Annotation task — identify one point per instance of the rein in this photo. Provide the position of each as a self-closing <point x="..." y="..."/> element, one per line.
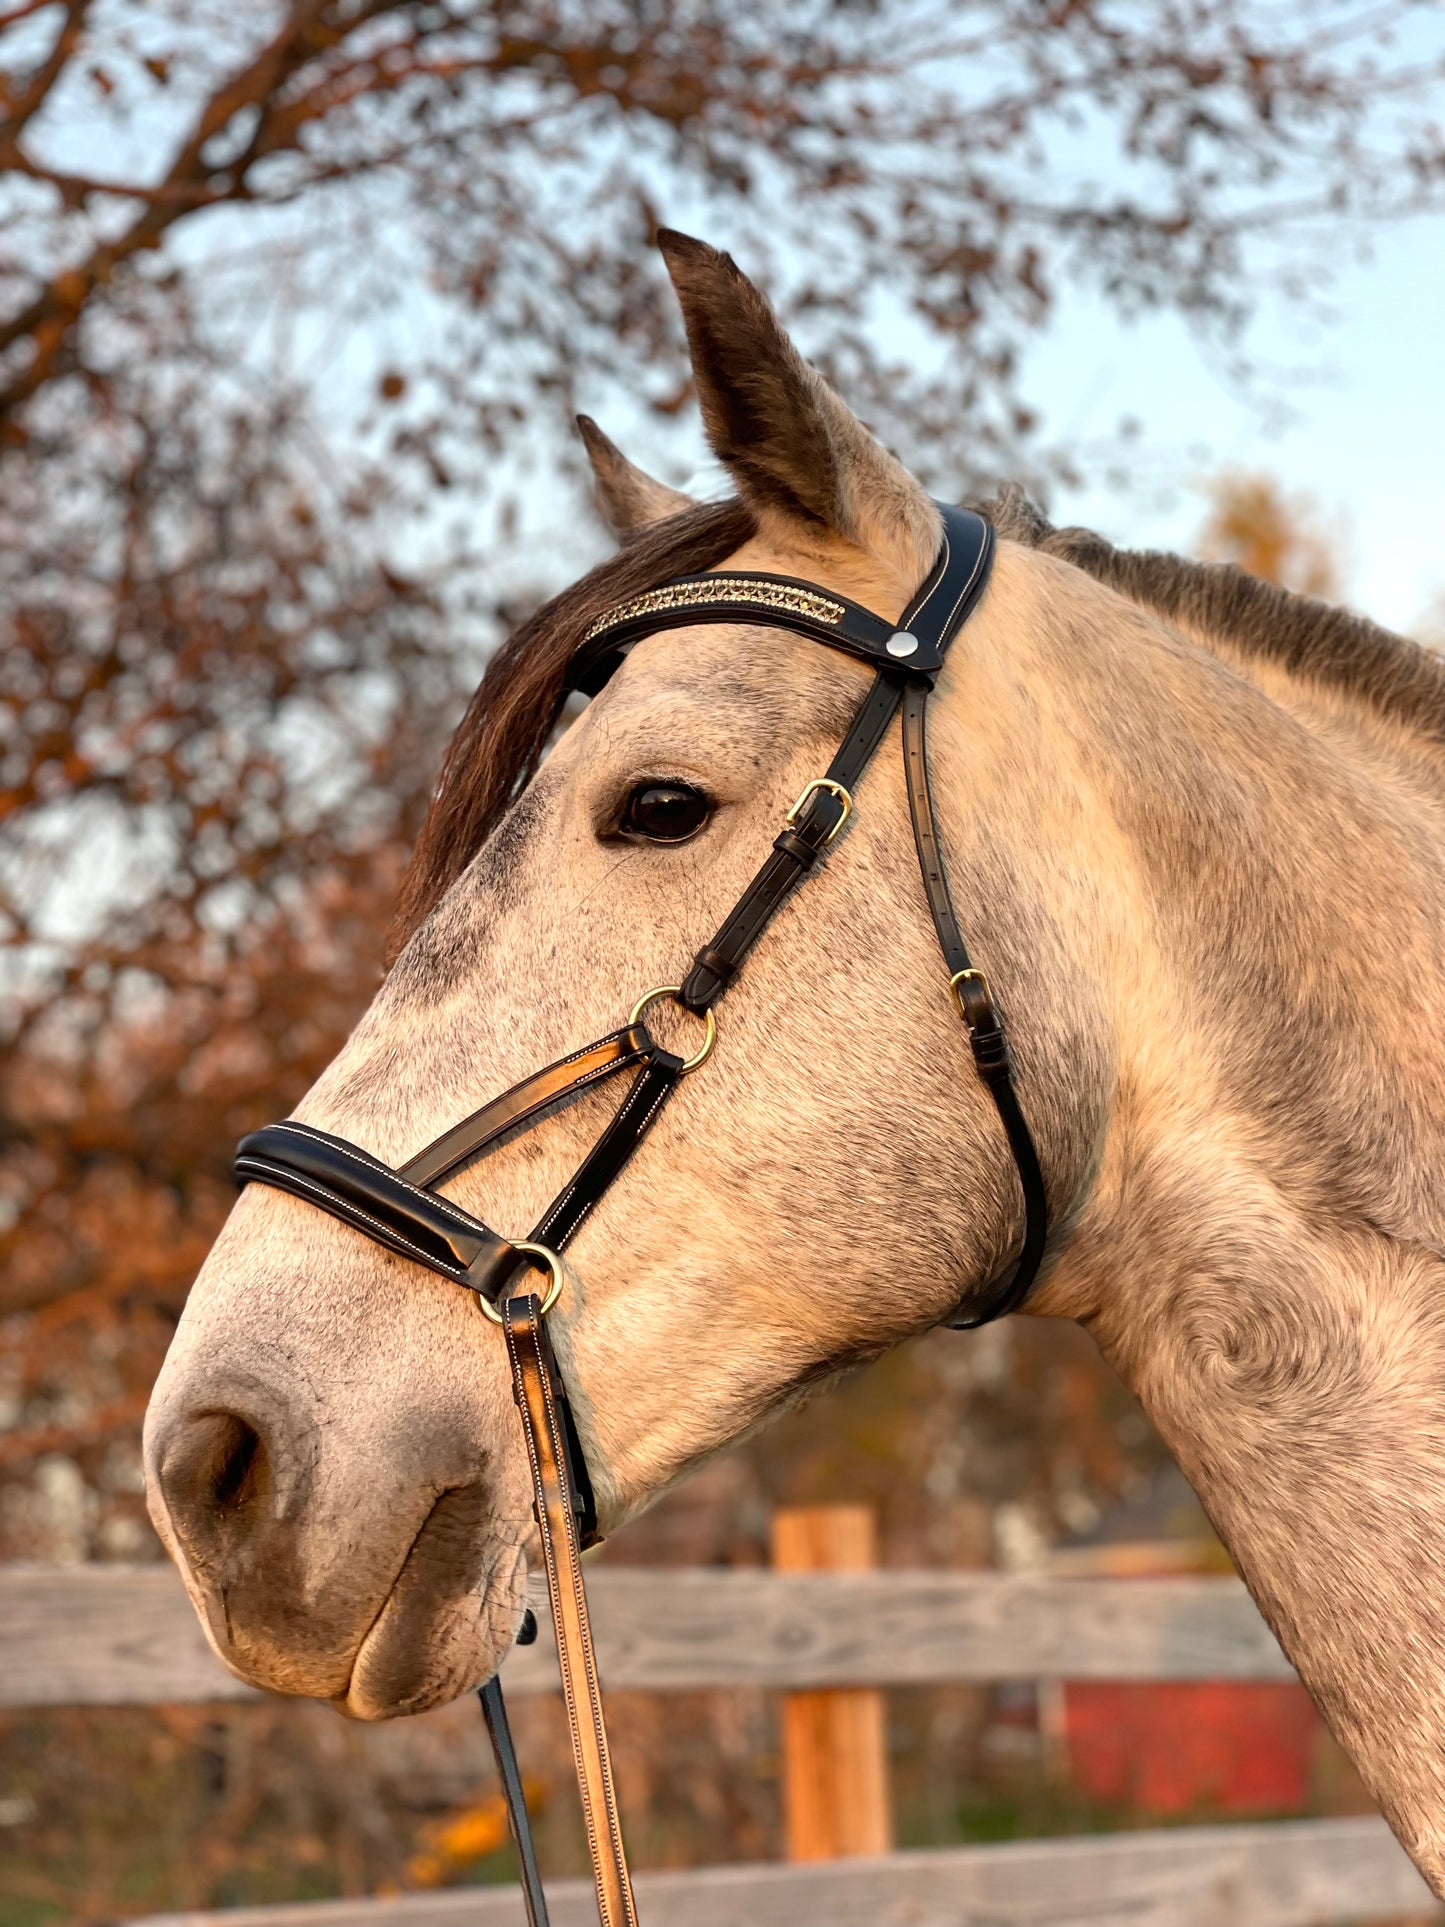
<point x="403" y="1209"/>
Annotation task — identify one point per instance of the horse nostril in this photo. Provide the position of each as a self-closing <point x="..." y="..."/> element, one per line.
<point x="212" y="1471"/>
<point x="236" y="1459"/>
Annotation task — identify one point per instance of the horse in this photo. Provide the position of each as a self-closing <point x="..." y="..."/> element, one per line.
<point x="1195" y="826"/>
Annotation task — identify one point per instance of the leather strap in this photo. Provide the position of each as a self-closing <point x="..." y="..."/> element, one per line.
<point x="794" y="852"/>
<point x="445" y="1155"/>
<point x="499" y="1731"/>
<point x="534" y="1380"/>
<point x="930" y="623"/>
<point x="367" y="1194"/>
<point x="776" y="601"/>
<point x="974" y="998"/>
<point x="562" y="1449"/>
<point x="947" y="598"/>
<point x="397" y="1210"/>
<point x="567" y="1212"/>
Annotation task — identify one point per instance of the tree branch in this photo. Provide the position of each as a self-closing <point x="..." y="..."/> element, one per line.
<point x="45" y="76"/>
<point x="51" y="317"/>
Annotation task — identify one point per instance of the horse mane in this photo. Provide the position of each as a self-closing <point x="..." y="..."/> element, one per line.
<point x="1313" y="640"/>
<point x="510" y="719"/>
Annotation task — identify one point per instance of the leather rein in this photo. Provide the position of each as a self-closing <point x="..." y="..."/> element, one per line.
<point x="405" y="1210"/>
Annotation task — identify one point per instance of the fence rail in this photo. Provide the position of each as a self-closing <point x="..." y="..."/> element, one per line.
<point x="1306" y="1873"/>
<point x="116" y="1635"/>
<point x="126" y="1635"/>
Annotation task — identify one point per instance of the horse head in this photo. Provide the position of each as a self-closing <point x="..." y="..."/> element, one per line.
<point x="334" y="1454"/>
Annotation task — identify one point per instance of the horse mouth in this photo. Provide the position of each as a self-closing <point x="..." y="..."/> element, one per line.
<point x="450" y="1617"/>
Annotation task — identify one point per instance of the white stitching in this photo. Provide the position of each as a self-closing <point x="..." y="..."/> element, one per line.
<point x="558" y="1208"/>
<point x="461" y="1219"/>
<point x="391" y="1237"/>
<point x="973" y="576"/>
<point x="621" y="1062"/>
<point x="914" y="614"/>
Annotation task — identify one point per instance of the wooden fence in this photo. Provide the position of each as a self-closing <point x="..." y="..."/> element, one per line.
<point x="107" y="1635"/>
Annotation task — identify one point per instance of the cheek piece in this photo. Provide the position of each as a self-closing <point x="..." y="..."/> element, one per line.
<point x="405" y="1210"/>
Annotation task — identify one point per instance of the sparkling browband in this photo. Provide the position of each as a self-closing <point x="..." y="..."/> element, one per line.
<point x="721" y="588"/>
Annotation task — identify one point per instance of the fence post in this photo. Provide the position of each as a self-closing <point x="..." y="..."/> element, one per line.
<point x="835" y="1749"/>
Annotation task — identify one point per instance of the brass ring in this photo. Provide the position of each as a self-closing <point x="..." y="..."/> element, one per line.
<point x="553" y="1264"/>
<point x="645" y="1004"/>
<point x="833" y="789"/>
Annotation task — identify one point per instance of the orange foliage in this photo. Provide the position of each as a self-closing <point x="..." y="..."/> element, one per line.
<point x="467" y="1834"/>
<point x="1253" y="523"/>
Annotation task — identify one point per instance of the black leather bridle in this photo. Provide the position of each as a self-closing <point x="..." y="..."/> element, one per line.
<point x="404" y="1210"/>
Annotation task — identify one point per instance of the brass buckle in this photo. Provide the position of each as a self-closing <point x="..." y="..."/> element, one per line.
<point x="833" y="789"/>
<point x="969" y="976"/>
<point x="645" y="1004"/>
<point x="553" y="1264"/>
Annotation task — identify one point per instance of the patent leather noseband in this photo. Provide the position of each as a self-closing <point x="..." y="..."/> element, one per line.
<point x="403" y="1209"/>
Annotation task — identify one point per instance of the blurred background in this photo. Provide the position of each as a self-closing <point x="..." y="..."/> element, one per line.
<point x="297" y="302"/>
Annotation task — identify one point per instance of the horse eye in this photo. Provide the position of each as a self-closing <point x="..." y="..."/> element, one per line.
<point x="665" y="812"/>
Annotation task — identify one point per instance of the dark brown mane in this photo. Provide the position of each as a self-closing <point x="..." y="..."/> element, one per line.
<point x="508" y="721"/>
<point x="1311" y="639"/>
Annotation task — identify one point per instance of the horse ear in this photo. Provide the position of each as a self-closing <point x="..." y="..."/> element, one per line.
<point x="629" y="498"/>
<point x="790" y="444"/>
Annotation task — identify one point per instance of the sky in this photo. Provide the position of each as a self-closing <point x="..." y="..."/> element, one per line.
<point x="1364" y="439"/>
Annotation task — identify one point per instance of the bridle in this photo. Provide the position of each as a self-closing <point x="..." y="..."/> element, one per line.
<point x="404" y="1210"/>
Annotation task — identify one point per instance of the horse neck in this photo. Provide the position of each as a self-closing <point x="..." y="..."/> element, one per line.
<point x="1262" y="916"/>
<point x="1259" y="1250"/>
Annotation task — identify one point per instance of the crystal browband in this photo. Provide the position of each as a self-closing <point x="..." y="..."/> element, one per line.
<point x="781" y="601"/>
<point x="721" y="588"/>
